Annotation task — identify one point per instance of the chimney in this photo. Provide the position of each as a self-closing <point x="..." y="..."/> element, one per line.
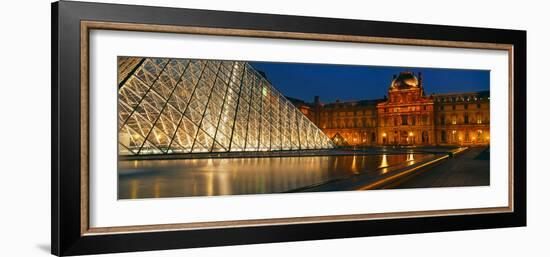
<point x="316" y="110"/>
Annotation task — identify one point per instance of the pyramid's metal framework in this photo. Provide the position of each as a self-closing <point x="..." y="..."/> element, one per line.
<point x="171" y="106"/>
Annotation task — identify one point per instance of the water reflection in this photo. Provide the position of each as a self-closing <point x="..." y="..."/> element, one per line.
<point x="233" y="176"/>
<point x="384" y="162"/>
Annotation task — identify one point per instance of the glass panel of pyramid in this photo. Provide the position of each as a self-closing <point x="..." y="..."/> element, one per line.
<point x="178" y="106"/>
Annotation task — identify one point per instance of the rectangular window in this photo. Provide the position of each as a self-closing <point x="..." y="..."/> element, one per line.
<point x="404" y="119"/>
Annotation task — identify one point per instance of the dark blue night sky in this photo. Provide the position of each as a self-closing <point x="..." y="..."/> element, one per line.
<point x="346" y="82"/>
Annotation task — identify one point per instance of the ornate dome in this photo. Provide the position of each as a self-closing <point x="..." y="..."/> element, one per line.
<point x="405" y="80"/>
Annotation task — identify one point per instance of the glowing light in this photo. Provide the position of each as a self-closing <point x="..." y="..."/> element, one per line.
<point x="384" y="134"/>
<point x="410" y="134"/>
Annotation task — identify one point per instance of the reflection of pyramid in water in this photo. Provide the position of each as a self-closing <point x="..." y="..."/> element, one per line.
<point x="188" y="106"/>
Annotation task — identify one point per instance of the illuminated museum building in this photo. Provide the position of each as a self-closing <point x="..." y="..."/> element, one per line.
<point x="406" y="117"/>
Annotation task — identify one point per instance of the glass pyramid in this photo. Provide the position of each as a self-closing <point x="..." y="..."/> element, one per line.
<point x="176" y="106"/>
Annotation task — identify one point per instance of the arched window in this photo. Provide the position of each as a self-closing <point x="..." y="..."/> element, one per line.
<point x="479" y="135"/>
<point x="425" y="138"/>
<point x="350" y="123"/>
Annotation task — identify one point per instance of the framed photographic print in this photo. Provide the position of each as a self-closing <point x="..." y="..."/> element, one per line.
<point x="177" y="128"/>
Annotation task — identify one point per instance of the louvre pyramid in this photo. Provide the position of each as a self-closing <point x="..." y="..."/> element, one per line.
<point x="176" y="106"/>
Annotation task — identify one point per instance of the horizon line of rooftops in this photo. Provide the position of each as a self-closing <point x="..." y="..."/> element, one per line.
<point x="438" y="98"/>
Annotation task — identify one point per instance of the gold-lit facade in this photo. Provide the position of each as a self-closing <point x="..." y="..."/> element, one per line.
<point x="407" y="116"/>
<point x="178" y="106"/>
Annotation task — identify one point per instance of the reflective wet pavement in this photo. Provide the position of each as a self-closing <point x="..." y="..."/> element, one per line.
<point x="236" y="176"/>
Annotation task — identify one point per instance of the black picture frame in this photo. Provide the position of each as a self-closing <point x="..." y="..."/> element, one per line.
<point x="66" y="233"/>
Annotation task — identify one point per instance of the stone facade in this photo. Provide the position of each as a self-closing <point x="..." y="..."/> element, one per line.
<point x="406" y="117"/>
